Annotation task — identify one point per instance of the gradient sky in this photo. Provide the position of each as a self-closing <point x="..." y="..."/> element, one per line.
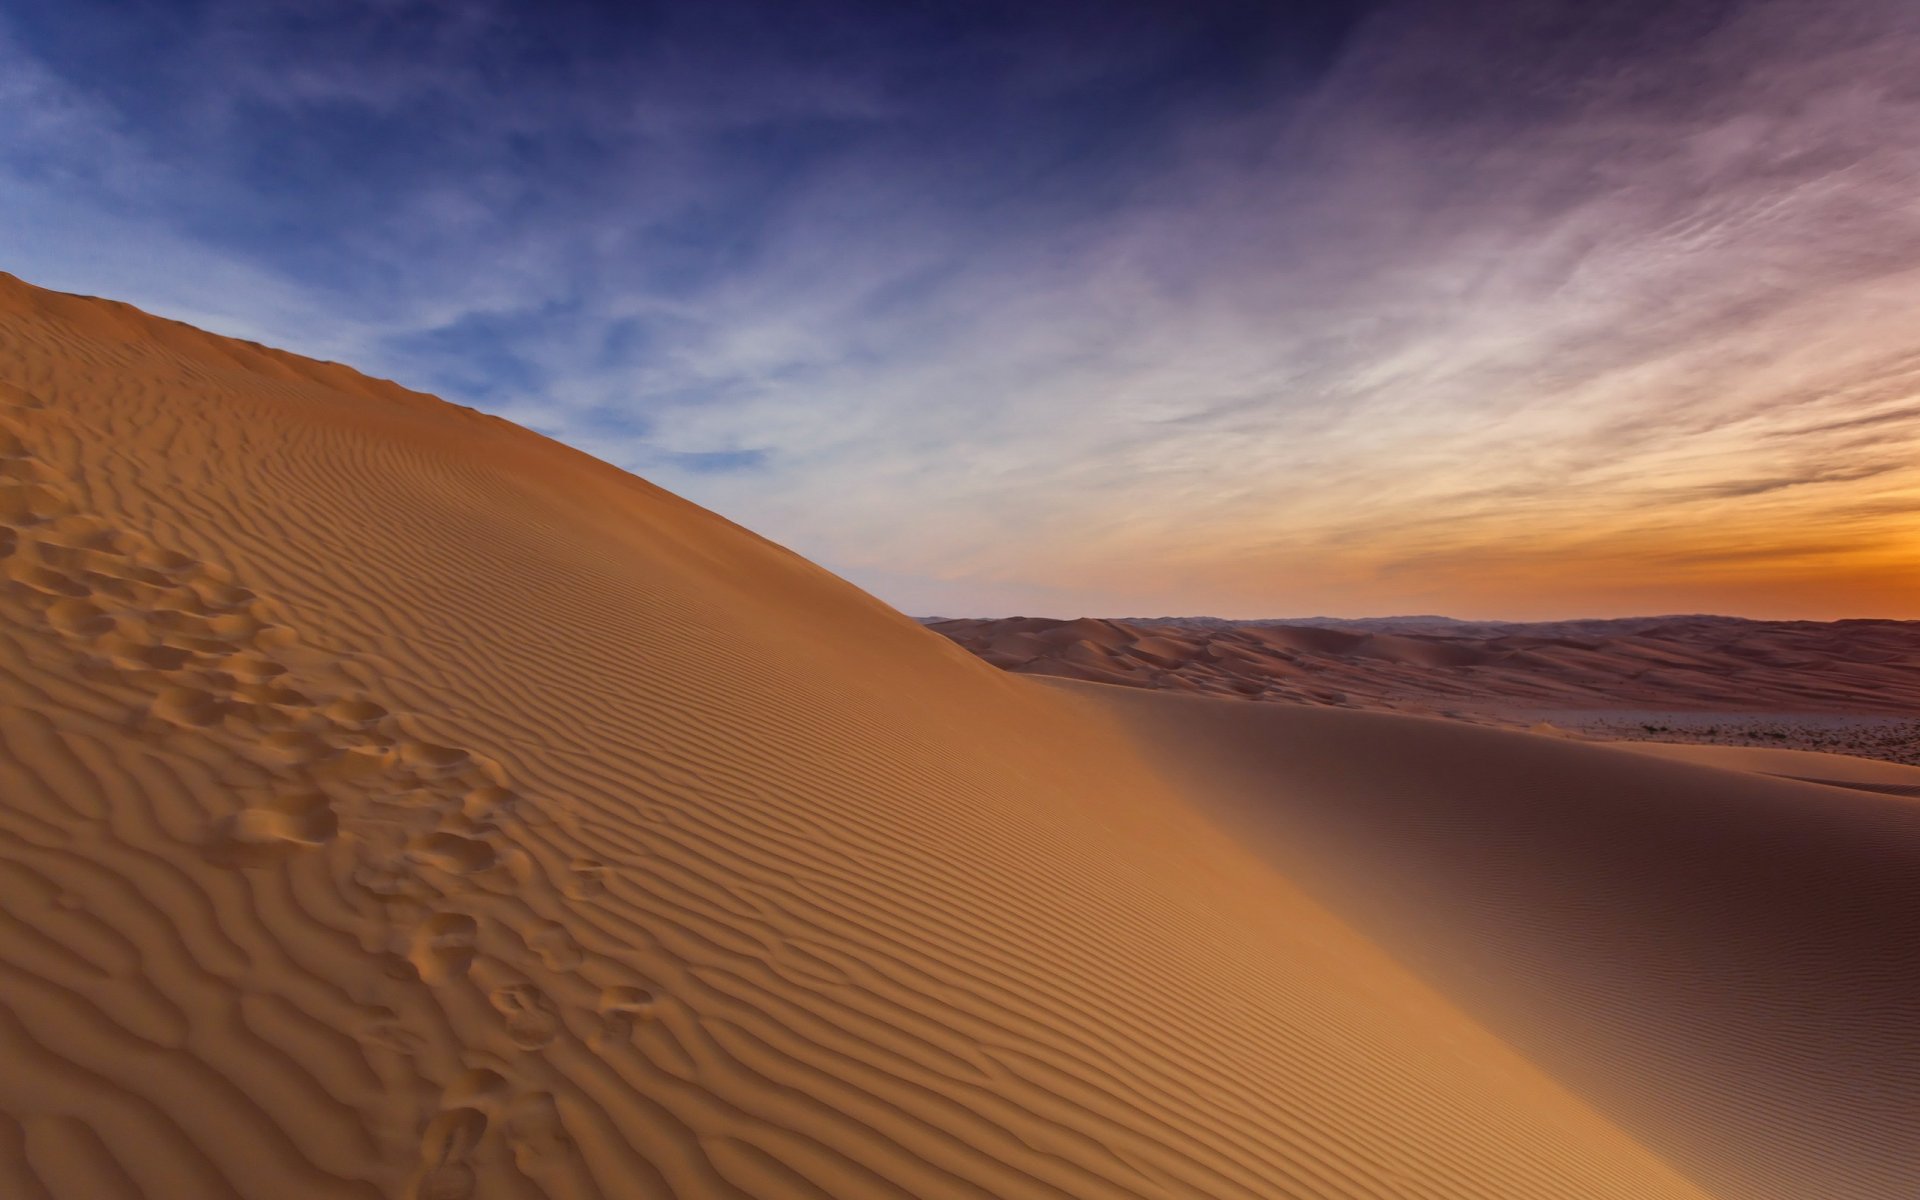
<point x="1525" y="309"/>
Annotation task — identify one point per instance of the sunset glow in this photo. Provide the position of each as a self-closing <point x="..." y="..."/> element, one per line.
<point x="1245" y="310"/>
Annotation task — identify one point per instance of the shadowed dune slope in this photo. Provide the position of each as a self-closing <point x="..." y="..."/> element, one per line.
<point x="396" y="803"/>
<point x="1838" y="770"/>
<point x="1726" y="963"/>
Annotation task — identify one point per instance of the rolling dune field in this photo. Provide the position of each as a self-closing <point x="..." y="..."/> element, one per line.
<point x="1846" y="687"/>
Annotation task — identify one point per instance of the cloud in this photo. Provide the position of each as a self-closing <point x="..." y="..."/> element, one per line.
<point x="718" y="462"/>
<point x="1736" y="488"/>
<point x="1104" y="306"/>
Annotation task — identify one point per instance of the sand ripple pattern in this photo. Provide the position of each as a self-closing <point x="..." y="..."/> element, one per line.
<point x="337" y="795"/>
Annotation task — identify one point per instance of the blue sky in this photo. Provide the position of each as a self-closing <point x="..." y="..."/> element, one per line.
<point x="1520" y="309"/>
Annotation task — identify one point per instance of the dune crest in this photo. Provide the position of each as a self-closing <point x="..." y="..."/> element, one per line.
<point x="397" y="803"/>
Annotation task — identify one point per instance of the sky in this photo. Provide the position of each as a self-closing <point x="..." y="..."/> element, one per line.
<point x="1522" y="309"/>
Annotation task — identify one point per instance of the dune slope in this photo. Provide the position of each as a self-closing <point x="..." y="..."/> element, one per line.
<point x="396" y="803"/>
<point x="1726" y="962"/>
<point x="1837" y="770"/>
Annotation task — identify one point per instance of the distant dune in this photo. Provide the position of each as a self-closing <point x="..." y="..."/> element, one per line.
<point x="397" y="803"/>
<point x="1846" y="686"/>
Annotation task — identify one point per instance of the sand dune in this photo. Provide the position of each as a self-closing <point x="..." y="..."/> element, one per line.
<point x="397" y="803"/>
<point x="1726" y="963"/>
<point x="1851" y="686"/>
<point x="1699" y="663"/>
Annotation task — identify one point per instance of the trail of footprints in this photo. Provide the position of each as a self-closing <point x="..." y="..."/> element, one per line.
<point x="422" y="821"/>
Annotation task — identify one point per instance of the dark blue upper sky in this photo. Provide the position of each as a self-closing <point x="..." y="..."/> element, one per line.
<point x="986" y="303"/>
<point x="321" y="138"/>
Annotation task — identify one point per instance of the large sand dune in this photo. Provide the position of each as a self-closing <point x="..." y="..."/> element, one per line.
<point x="397" y="803"/>
<point x="1723" y="952"/>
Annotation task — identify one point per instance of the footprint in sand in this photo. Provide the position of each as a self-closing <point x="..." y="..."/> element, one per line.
<point x="397" y="967"/>
<point x="443" y="947"/>
<point x="188" y="706"/>
<point x="427" y="759"/>
<point x="446" y="1154"/>
<point x="556" y="947"/>
<point x="360" y="762"/>
<point x="291" y="748"/>
<point x="390" y="879"/>
<point x="275" y="637"/>
<point x="355" y="713"/>
<point x="517" y="870"/>
<point x="543" y="1150"/>
<point x="493" y="804"/>
<point x="272" y="831"/>
<point x="620" y="1009"/>
<point x="496" y="805"/>
<point x="258" y="669"/>
<point x="220" y="596"/>
<point x="535" y="1129"/>
<point x="451" y="853"/>
<point x="531" y="1022"/>
<point x="484" y="770"/>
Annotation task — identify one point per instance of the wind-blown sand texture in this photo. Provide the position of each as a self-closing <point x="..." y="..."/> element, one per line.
<point x="1847" y="686"/>
<point x="1723" y="952"/>
<point x="397" y="803"/>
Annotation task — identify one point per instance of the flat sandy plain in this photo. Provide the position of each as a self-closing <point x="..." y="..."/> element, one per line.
<point x="397" y="803"/>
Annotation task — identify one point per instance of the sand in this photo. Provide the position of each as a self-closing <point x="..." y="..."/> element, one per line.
<point x="397" y="803"/>
<point x="1836" y="770"/>
<point x="1851" y="687"/>
<point x="1719" y="954"/>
